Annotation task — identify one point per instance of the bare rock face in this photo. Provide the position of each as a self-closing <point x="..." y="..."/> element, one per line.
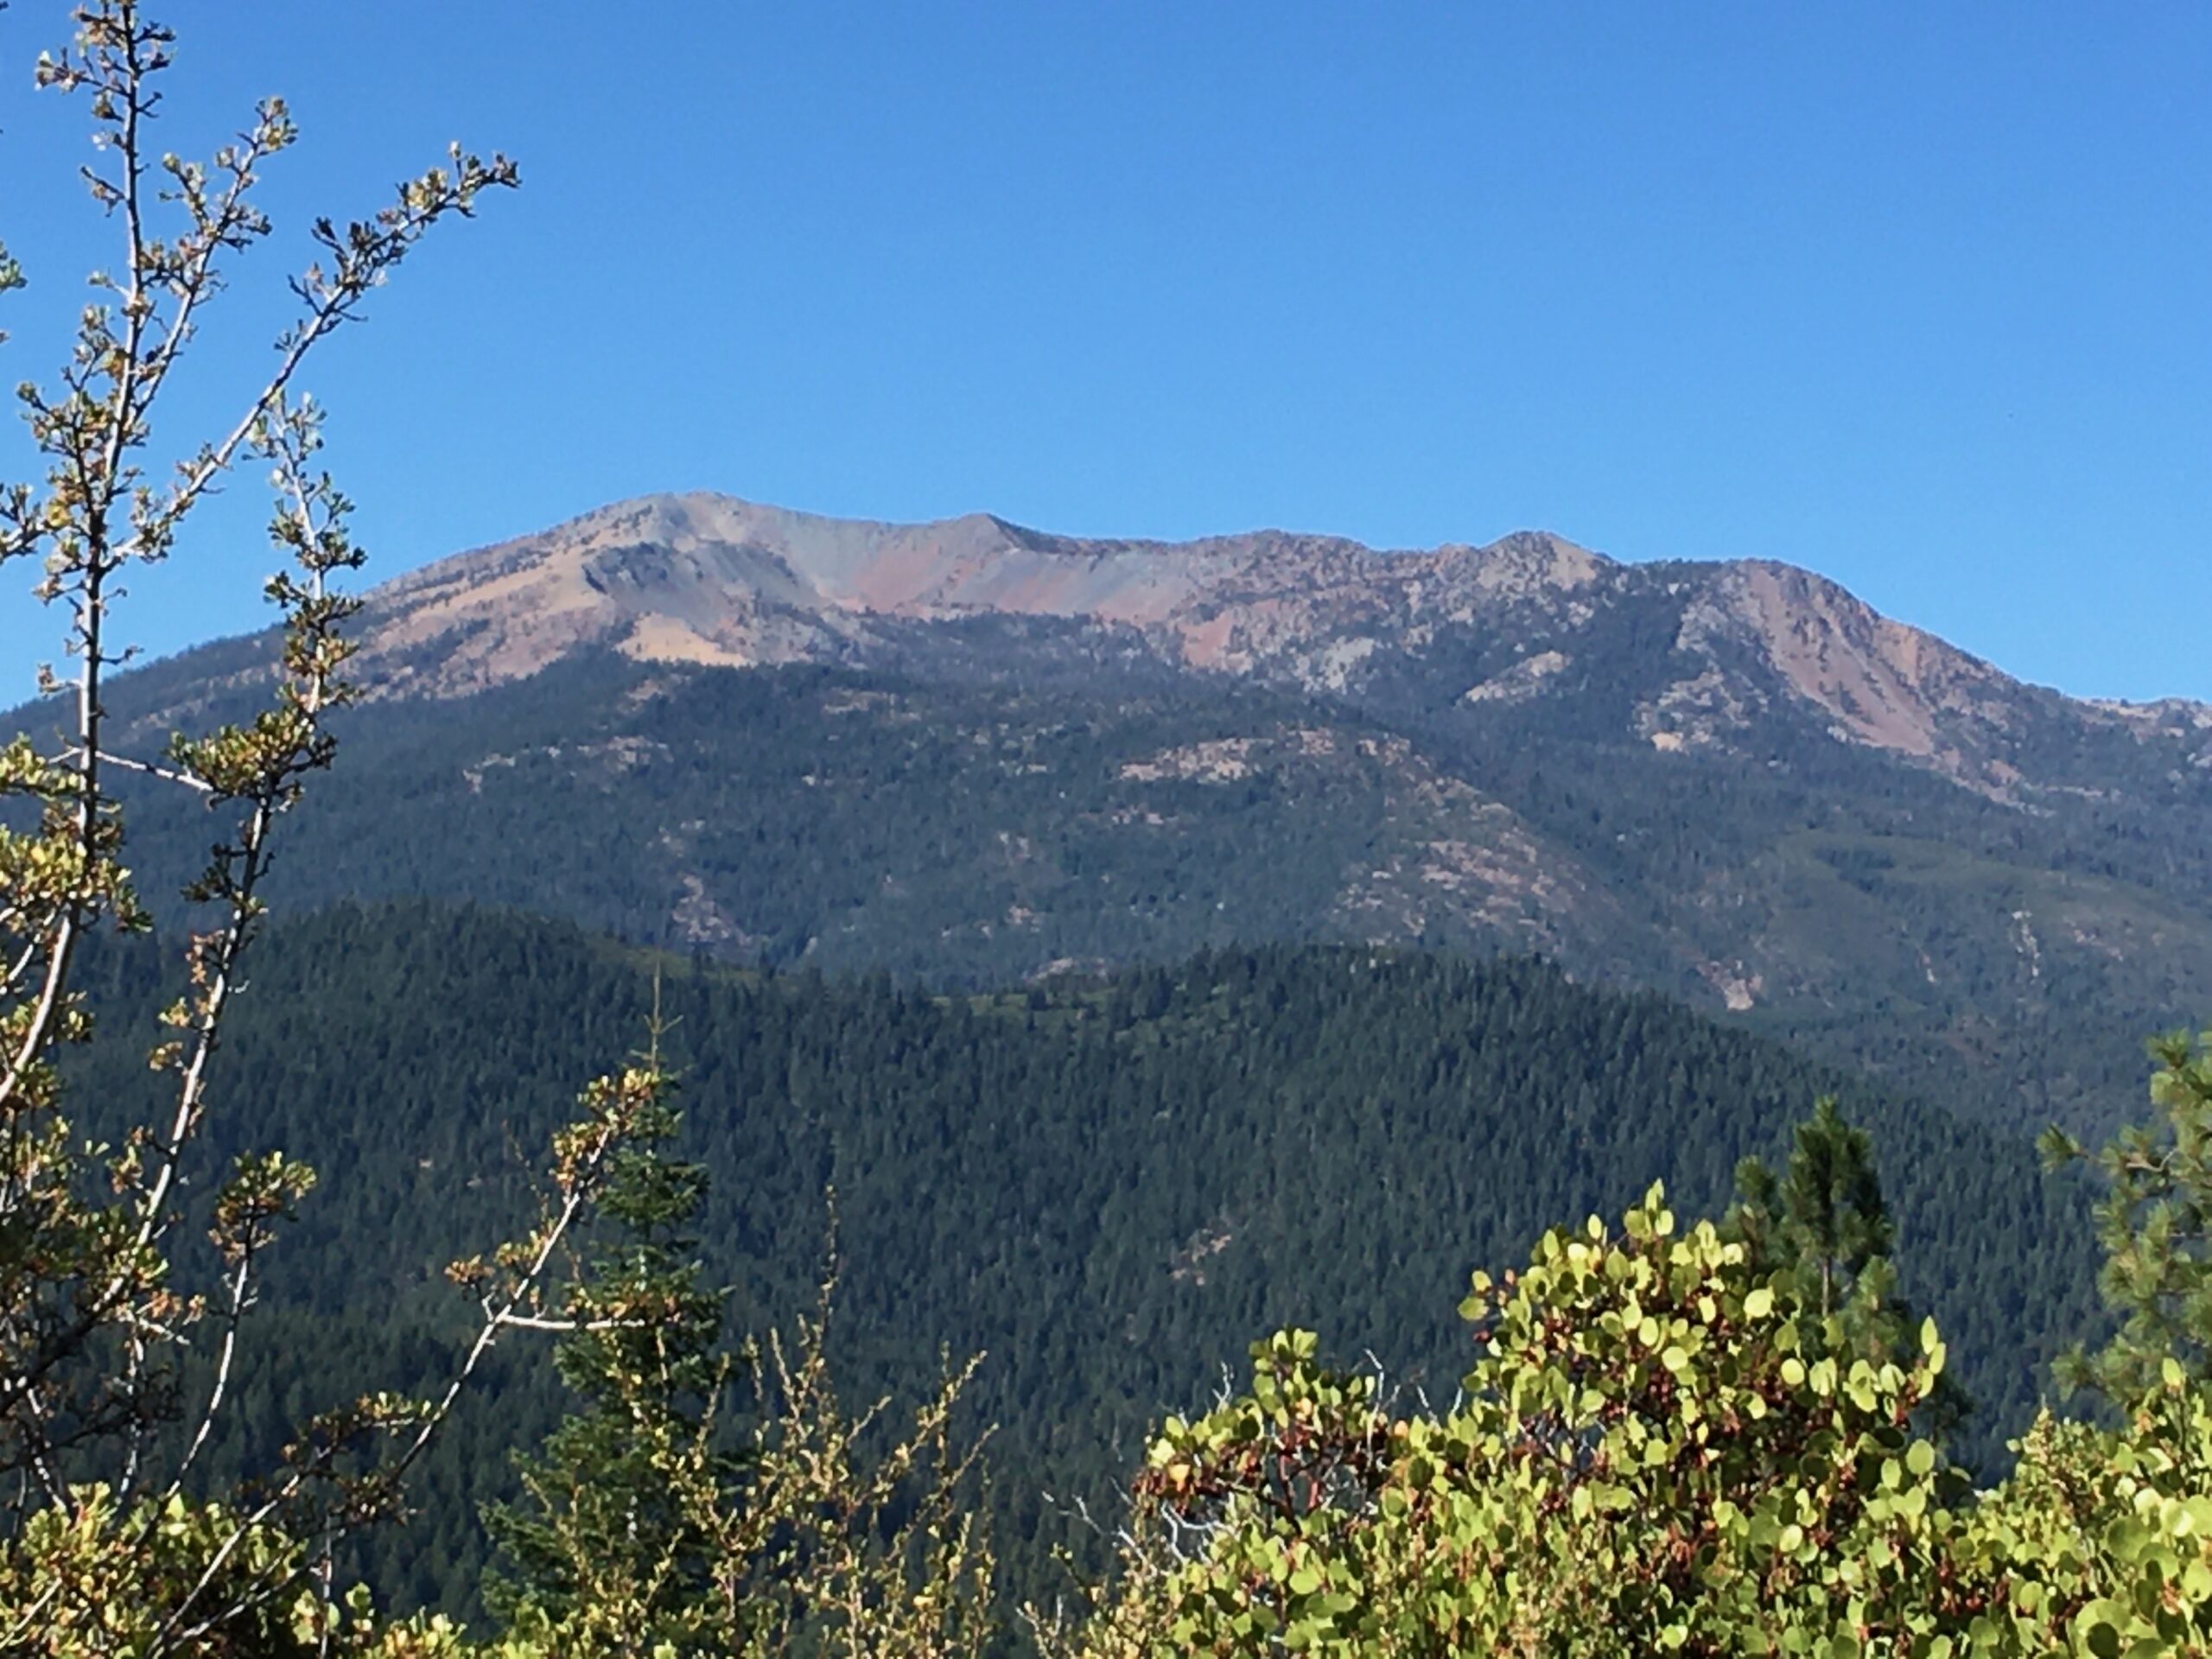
<point x="1522" y="682"/>
<point x="694" y="579"/>
<point x="1880" y="682"/>
<point x="710" y="579"/>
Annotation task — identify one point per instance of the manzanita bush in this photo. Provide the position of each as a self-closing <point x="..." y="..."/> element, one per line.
<point x="1658" y="1450"/>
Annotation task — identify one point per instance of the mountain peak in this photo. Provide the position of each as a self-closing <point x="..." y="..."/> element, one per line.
<point x="705" y="577"/>
<point x="709" y="578"/>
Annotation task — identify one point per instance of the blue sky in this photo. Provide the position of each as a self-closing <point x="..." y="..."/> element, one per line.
<point x="1919" y="297"/>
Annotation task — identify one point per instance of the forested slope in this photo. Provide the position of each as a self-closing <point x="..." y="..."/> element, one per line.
<point x="1032" y="799"/>
<point x="1111" y="1186"/>
<point x="975" y="750"/>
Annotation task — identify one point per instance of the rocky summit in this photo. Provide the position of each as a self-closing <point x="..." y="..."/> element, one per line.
<point x="974" y="751"/>
<point x="711" y="579"/>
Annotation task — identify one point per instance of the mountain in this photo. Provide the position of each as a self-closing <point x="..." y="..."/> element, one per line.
<point x="712" y="579"/>
<point x="973" y="751"/>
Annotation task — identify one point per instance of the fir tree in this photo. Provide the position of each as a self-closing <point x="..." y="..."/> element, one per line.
<point x="2154" y="1222"/>
<point x="603" y="1528"/>
<point x="653" y="1523"/>
<point x="1823" y="1223"/>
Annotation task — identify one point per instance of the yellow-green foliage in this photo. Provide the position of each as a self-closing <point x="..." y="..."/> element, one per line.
<point x="1656" y="1452"/>
<point x="102" y="1578"/>
<point x="2103" y="1541"/>
<point x="800" y="1544"/>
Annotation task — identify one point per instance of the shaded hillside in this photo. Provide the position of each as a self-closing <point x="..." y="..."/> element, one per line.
<point x="1035" y="796"/>
<point x="1111" y="1186"/>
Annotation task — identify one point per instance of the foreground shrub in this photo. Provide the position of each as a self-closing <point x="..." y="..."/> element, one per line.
<point x="1658" y="1450"/>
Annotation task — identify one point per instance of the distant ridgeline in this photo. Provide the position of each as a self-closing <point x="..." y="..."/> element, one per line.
<point x="1112" y="1186"/>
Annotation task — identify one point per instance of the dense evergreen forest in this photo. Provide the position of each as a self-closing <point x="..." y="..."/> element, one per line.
<point x="1108" y="1185"/>
<point x="1035" y="798"/>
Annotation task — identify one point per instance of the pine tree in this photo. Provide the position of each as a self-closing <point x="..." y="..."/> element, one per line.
<point x="1823" y="1218"/>
<point x="605" y="1544"/>
<point x="654" y="1523"/>
<point x="2155" y="1222"/>
<point x="1823" y="1221"/>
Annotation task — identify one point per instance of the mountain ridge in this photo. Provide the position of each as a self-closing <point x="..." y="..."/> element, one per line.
<point x="978" y="751"/>
<point x="712" y="579"/>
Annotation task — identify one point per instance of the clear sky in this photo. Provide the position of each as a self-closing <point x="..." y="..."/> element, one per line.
<point x="1918" y="295"/>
